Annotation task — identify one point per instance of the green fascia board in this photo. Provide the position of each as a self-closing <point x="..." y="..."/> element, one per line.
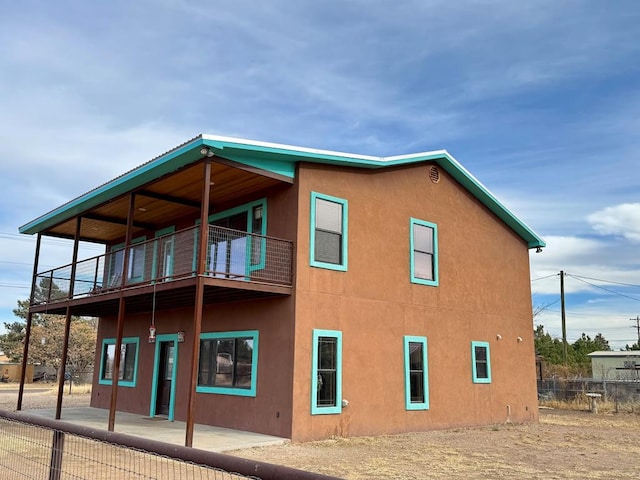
<point x="276" y="158"/>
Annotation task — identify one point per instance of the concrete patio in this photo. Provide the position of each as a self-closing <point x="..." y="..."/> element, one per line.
<point x="205" y="437"/>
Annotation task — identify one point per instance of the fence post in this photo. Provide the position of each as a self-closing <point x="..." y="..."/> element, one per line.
<point x="57" y="450"/>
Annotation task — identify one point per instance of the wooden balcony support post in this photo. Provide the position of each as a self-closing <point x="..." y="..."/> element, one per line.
<point x="121" y="309"/>
<point x="27" y="334"/>
<point x="198" y="306"/>
<point x="67" y="323"/>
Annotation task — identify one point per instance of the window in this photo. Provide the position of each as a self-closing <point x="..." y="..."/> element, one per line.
<point x="326" y="375"/>
<point x="233" y="254"/>
<point x="424" y="252"/>
<point x="128" y="361"/>
<point x="416" y="378"/>
<point x="328" y="245"/>
<point x="163" y="254"/>
<point x="135" y="271"/>
<point x="228" y="363"/>
<point x="481" y="362"/>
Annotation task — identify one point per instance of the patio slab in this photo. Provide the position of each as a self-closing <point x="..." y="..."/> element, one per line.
<point x="205" y="437"/>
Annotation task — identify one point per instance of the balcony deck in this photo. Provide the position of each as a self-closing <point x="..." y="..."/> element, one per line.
<point x="239" y="266"/>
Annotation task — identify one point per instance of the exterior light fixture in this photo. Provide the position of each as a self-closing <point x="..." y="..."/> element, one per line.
<point x="205" y="151"/>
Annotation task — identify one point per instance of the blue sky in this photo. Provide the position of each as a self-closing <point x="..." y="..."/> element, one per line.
<point x="539" y="100"/>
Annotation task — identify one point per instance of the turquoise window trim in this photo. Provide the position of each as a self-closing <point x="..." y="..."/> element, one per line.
<point x="345" y="232"/>
<point x="120" y="246"/>
<point x="248" y="208"/>
<point x="474" y="371"/>
<point x="315" y="408"/>
<point x="435" y="282"/>
<point x="407" y="371"/>
<point x="121" y="383"/>
<point x="154" y="265"/>
<point x="165" y="337"/>
<point x="241" y="392"/>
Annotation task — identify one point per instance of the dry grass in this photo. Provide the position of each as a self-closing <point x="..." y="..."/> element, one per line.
<point x="581" y="403"/>
<point x="564" y="444"/>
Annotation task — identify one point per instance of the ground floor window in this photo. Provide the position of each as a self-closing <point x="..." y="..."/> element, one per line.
<point x="128" y="371"/>
<point x="416" y="377"/>
<point x="326" y="378"/>
<point x="481" y="362"/>
<point x="228" y="363"/>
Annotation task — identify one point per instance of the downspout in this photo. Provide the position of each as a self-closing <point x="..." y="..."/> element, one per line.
<point x="27" y="334"/>
<point x="199" y="298"/>
<point x="121" y="308"/>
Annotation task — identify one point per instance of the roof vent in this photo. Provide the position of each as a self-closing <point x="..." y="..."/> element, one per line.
<point x="434" y="174"/>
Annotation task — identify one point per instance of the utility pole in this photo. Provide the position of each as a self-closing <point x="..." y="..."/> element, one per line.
<point x="637" y="327"/>
<point x="564" y="318"/>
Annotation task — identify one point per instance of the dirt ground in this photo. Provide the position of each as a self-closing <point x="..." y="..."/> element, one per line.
<point x="563" y="445"/>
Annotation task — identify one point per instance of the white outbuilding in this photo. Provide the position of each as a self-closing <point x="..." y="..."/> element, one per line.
<point x="622" y="365"/>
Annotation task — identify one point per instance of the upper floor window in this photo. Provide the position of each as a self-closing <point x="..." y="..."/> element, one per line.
<point x="424" y="252"/>
<point x="128" y="370"/>
<point x="136" y="267"/>
<point x="328" y="245"/>
<point x="228" y="363"/>
<point x="481" y="362"/>
<point x="326" y="375"/>
<point x="416" y="378"/>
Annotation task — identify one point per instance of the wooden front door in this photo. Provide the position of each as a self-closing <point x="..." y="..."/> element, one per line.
<point x="165" y="376"/>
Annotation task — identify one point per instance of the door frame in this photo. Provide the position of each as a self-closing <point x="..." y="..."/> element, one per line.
<point x="165" y="337"/>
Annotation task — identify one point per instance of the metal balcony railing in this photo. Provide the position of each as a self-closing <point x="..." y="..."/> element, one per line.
<point x="231" y="254"/>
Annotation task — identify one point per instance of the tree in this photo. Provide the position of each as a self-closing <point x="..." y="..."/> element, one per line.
<point x="635" y="346"/>
<point x="47" y="338"/>
<point x="585" y="345"/>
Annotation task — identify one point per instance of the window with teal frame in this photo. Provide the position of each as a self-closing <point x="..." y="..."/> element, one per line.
<point x="237" y="255"/>
<point x="416" y="373"/>
<point x="326" y="372"/>
<point x="481" y="362"/>
<point x="424" y="252"/>
<point x="163" y="254"/>
<point x="137" y="260"/>
<point x="128" y="374"/>
<point x="228" y="363"/>
<point x="328" y="244"/>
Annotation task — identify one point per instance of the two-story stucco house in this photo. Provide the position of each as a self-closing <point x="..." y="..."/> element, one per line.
<point x="329" y="294"/>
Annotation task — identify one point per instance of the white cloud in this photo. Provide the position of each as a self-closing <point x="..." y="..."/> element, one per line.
<point x="621" y="220"/>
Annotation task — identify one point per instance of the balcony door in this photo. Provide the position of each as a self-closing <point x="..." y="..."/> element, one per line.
<point x="229" y="247"/>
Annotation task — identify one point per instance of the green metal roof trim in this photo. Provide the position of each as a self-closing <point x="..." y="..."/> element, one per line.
<point x="276" y="158"/>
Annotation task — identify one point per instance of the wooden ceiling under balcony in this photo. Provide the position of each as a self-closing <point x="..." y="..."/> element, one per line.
<point x="169" y="198"/>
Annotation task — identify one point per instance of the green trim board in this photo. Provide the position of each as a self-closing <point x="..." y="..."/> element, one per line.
<point x="342" y="264"/>
<point x="480" y="377"/>
<point x="125" y="341"/>
<point x="409" y="403"/>
<point x="238" y="391"/>
<point x="317" y="409"/>
<point x="164" y="337"/>
<point x="275" y="158"/>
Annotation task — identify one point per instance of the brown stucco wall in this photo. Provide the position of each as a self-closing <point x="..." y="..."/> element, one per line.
<point x="483" y="291"/>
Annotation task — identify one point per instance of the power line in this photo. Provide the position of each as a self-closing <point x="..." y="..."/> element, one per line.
<point x="542" y="278"/>
<point x="605" y="289"/>
<point x="605" y="281"/>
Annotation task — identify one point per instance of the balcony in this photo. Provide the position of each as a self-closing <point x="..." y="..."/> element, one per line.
<point x="161" y="273"/>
